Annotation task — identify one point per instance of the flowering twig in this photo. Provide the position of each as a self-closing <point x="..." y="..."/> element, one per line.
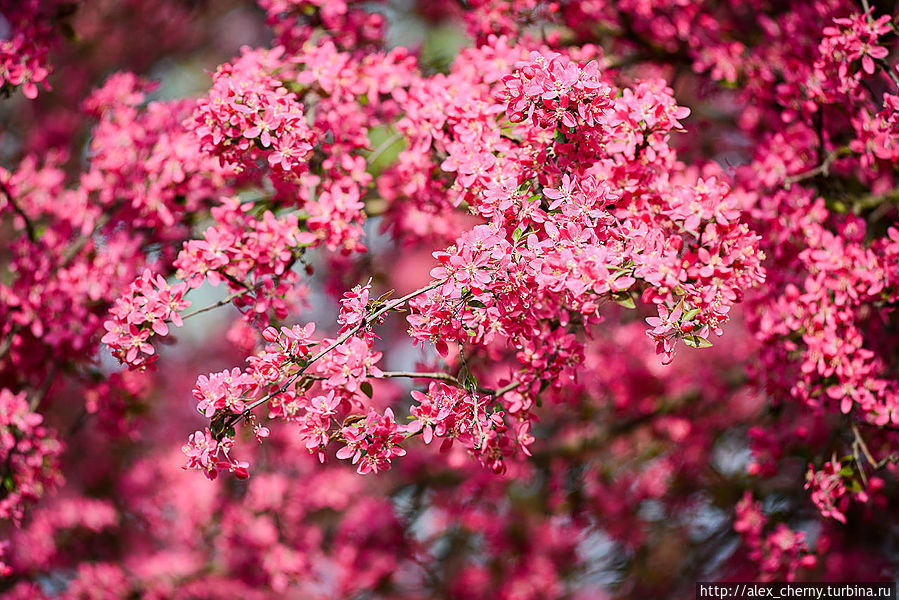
<point x="505" y="389"/>
<point x="340" y="340"/>
<point x="859" y="443"/>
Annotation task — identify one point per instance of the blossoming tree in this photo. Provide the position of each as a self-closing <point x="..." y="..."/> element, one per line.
<point x="600" y="304"/>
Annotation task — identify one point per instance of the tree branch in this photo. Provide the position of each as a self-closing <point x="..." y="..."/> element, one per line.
<point x="821" y="169"/>
<point x="221" y="302"/>
<point x="340" y="340"/>
<point x="494" y="394"/>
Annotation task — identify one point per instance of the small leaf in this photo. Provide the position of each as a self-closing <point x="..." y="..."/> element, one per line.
<point x="366" y="388"/>
<point x="516" y="235"/>
<point x="697" y="342"/>
<point x="624" y="299"/>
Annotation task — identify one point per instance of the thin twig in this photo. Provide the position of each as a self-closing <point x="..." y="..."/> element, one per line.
<point x="221" y="302"/>
<point x="7" y="341"/>
<point x="41" y="393"/>
<point x="864" y="447"/>
<point x="821" y="169"/>
<point x="29" y="227"/>
<point x="889" y="71"/>
<point x="505" y="389"/>
<point x="875" y="464"/>
<point x="423" y="375"/>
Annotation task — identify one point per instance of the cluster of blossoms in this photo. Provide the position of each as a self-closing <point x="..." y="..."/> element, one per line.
<point x="828" y="490"/>
<point x="851" y="42"/>
<point x="294" y="22"/>
<point x="586" y="240"/>
<point x="780" y="552"/>
<point x="876" y="134"/>
<point x="253" y="255"/>
<point x="148" y="306"/>
<point x="30" y="452"/>
<point x="372" y="442"/>
<point x="825" y="314"/>
<point x="144" y="160"/>
<point x="249" y="114"/>
<point x="457" y="415"/>
<point x="25" y="43"/>
<point x="209" y="455"/>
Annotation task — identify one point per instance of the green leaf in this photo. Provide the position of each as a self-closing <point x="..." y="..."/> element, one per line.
<point x="697" y="342"/>
<point x="624" y="299"/>
<point x="367" y="389"/>
<point x="516" y="235"/>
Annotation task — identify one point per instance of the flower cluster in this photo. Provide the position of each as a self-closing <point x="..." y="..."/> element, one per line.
<point x="554" y="90"/>
<point x="146" y="309"/>
<point x="828" y="489"/>
<point x="30" y="452"/>
<point x="296" y="21"/>
<point x="371" y="442"/>
<point x="144" y="160"/>
<point x="779" y="553"/>
<point x="851" y="42"/>
<point x="222" y="391"/>
<point x="249" y="113"/>
<point x="209" y="455"/>
<point x="455" y="415"/>
<point x="25" y="45"/>
<point x="348" y="365"/>
<point x="584" y="240"/>
<point x="435" y="412"/>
